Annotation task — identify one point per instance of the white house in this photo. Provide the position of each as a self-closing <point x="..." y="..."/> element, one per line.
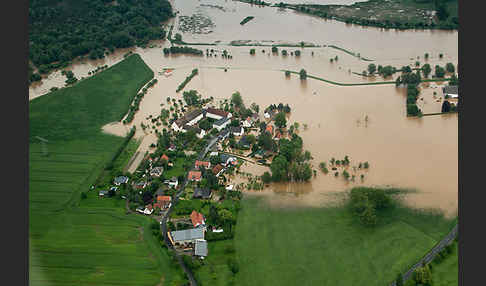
<point x="452" y="91"/>
<point x="248" y="122"/>
<point x="217" y="113"/>
<point x="237" y="131"/>
<point x="221" y="123"/>
<point x="148" y="210"/>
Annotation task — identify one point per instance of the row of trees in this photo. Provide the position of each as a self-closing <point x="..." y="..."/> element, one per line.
<point x="194" y="72"/>
<point x="182" y="50"/>
<point x="60" y="33"/>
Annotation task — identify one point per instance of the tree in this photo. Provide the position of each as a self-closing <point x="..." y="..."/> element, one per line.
<point x="399" y="280"/>
<point x="255" y="107"/>
<point x="450" y="67"/>
<point x="284" y="52"/>
<point x="279" y="168"/>
<point x="446" y="106"/>
<point x="205" y="124"/>
<point x="371" y="68"/>
<point x="252" y="51"/>
<point x="280" y="120"/>
<point x="287" y="73"/>
<point x="274" y="50"/>
<point x="236" y="99"/>
<point x="439" y="71"/>
<point x="426" y="70"/>
<point x="303" y="74"/>
<point x="266" y="177"/>
<point x="191" y="97"/>
<point x="442" y="13"/>
<point x="454" y="80"/>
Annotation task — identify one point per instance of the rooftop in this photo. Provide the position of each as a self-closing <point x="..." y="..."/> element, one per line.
<point x="201" y="248"/>
<point x="200" y="193"/>
<point x="217" y="111"/>
<point x="221" y="121"/>
<point x="187" y="234"/>
<point x="451" y="89"/>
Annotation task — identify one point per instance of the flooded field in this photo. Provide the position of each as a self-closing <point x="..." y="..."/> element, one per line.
<point x="418" y="153"/>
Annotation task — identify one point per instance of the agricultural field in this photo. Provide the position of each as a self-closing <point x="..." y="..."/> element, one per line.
<point x="327" y="246"/>
<point x="87" y="241"/>
<point x="446" y="272"/>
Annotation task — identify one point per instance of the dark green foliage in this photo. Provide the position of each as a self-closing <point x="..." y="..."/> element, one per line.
<point x="371" y="68"/>
<point x="182" y="50"/>
<point x="246" y="20"/>
<point x="450" y="67"/>
<point x="303" y="74"/>
<point x="399" y="280"/>
<point x="426" y="70"/>
<point x="60" y="32"/>
<point x="454" y="80"/>
<point x="446" y="106"/>
<point x="386" y="71"/>
<point x="413" y="110"/>
<point x="280" y="120"/>
<point x="187" y="80"/>
<point x="439" y="71"/>
<point x="252" y="51"/>
<point x="367" y="202"/>
<point x="274" y="50"/>
<point x="287" y="73"/>
<point x="236" y="99"/>
<point x="297" y="53"/>
<point x="266" y="177"/>
<point x="192" y="98"/>
<point x="284" y="52"/>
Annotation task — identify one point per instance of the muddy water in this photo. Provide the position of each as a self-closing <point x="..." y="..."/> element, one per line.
<point x="405" y="152"/>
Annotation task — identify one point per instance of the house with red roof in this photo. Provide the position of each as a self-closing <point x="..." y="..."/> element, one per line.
<point x="164" y="157"/>
<point x="197" y="219"/>
<point x="163" y="202"/>
<point x="205" y="164"/>
<point x="269" y="129"/>
<point x="194" y="176"/>
<point x="217" y="113"/>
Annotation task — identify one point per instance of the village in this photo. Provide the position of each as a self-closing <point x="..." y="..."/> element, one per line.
<point x="190" y="187"/>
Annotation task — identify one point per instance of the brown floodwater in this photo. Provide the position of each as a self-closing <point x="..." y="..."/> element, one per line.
<point x="418" y="153"/>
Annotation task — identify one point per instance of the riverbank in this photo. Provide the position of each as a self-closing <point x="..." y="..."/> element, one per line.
<point x="388" y="14"/>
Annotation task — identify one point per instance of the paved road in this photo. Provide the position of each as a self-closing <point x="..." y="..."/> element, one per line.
<point x="448" y="239"/>
<point x="163" y="224"/>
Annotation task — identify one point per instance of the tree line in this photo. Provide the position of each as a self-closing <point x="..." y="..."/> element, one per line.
<point x="60" y="31"/>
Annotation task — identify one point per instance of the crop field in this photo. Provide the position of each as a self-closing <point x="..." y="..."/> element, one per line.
<point x="326" y="246"/>
<point x="90" y="241"/>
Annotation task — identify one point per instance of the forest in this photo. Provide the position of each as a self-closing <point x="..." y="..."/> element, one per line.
<point x="61" y="30"/>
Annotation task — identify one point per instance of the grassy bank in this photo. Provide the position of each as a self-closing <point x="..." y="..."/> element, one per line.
<point x="90" y="241"/>
<point x="326" y="246"/>
<point x="391" y="14"/>
<point x="365" y="83"/>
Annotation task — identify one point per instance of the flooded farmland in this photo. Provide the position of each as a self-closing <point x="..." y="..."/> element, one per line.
<point x="417" y="153"/>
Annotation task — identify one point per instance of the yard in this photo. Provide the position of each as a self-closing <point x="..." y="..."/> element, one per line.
<point x="325" y="246"/>
<point x="88" y="241"/>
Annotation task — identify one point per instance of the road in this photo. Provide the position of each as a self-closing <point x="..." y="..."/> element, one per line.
<point x="163" y="222"/>
<point x="448" y="239"/>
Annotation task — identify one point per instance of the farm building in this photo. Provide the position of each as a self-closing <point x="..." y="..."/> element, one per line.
<point x="184" y="237"/>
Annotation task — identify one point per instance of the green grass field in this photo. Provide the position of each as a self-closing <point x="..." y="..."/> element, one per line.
<point x="90" y="241"/>
<point x="326" y="246"/>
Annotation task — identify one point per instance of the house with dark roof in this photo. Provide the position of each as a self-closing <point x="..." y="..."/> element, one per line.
<point x="226" y="159"/>
<point x="189" y="118"/>
<point x="156" y="171"/>
<point x="201" y="248"/>
<point x="224" y="134"/>
<point x="236" y="130"/>
<point x="217" y="170"/>
<point x="452" y="91"/>
<point x="120" y="180"/>
<point x="244" y="143"/>
<point x="200" y="193"/>
<point x="173" y="182"/>
<point x="217" y="113"/>
<point x="104" y="193"/>
<point x="199" y="132"/>
<point x="140" y="185"/>
<point x="221" y="123"/>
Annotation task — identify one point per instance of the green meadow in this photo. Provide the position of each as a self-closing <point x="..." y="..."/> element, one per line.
<point x="325" y="246"/>
<point x="89" y="241"/>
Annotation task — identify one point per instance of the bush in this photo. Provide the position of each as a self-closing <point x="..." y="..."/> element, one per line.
<point x="233" y="265"/>
<point x="303" y="74"/>
<point x="274" y="49"/>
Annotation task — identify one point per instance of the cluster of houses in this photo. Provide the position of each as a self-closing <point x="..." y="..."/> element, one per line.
<point x="192" y="238"/>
